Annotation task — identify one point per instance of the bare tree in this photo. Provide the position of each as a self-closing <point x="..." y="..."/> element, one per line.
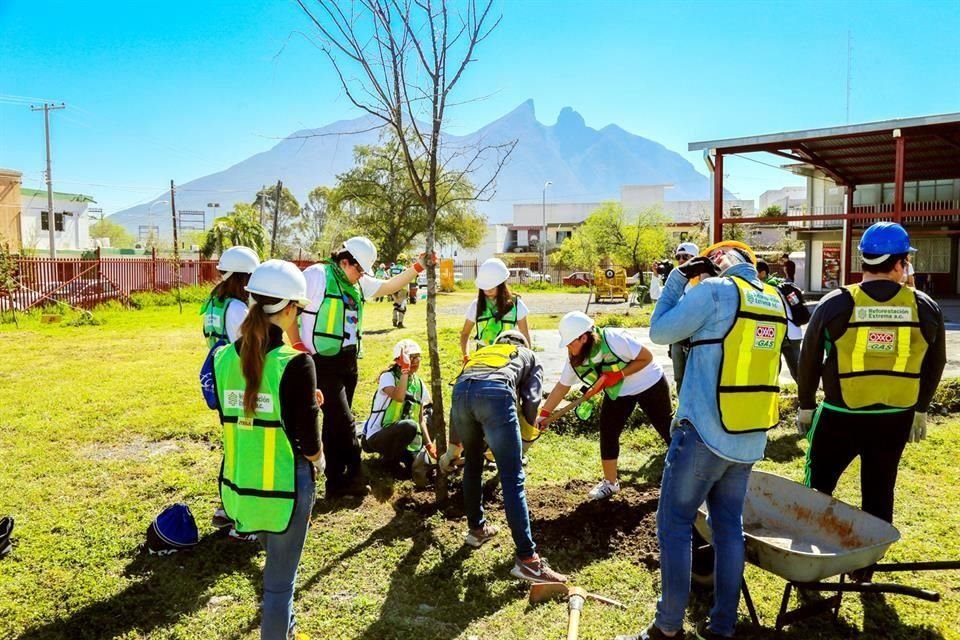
<point x="400" y="61"/>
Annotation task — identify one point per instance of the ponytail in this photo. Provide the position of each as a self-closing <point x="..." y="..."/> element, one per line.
<point x="255" y="332"/>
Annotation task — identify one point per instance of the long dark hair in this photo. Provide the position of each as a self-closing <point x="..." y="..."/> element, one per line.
<point x="232" y="287"/>
<point x="255" y="334"/>
<point x="584" y="354"/>
<point x="504" y="300"/>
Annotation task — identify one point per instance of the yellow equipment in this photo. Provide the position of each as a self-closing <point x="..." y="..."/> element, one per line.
<point x="610" y="283"/>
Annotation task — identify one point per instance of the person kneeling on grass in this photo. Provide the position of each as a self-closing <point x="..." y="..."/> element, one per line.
<point x="396" y="428"/>
<point x="494" y="380"/>
<point x="616" y="363"/>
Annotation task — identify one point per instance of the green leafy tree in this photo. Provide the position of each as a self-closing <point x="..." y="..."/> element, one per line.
<point x="240" y="227"/>
<point x="8" y="280"/>
<point x="608" y="233"/>
<point x="287" y="215"/>
<point x="773" y="211"/>
<point x="116" y="234"/>
<point x="376" y="198"/>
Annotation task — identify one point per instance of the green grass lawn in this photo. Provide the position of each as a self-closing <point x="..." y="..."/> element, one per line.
<point x="103" y="426"/>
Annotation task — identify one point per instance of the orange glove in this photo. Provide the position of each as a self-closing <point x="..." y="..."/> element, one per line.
<point x="541" y="418"/>
<point x="606" y="379"/>
<point x="431" y="450"/>
<point x="421" y="263"/>
<point x="466" y="357"/>
<point x="404" y="361"/>
<point x="319" y="395"/>
<point x="299" y="346"/>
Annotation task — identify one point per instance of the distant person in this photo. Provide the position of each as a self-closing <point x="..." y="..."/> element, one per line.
<point x="494" y="310"/>
<point x="908" y="274"/>
<point x="789" y="267"/>
<point x="797" y="315"/>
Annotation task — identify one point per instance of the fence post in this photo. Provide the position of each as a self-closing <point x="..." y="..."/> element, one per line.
<point x="99" y="265"/>
<point x="153" y="268"/>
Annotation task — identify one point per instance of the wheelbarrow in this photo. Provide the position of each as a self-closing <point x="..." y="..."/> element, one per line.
<point x="805" y="536"/>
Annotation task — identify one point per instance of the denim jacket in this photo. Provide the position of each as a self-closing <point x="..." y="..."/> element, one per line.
<point x="706" y="311"/>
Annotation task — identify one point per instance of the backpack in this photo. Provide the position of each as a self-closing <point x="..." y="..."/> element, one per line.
<point x="173" y="530"/>
<point x="799" y="313"/>
<point x="207" y="387"/>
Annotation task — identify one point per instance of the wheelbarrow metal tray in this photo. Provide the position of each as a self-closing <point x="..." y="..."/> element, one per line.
<point x="803" y="535"/>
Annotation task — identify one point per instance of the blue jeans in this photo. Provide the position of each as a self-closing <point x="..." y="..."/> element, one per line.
<point x="486" y="410"/>
<point x="693" y="474"/>
<point x="283" y="558"/>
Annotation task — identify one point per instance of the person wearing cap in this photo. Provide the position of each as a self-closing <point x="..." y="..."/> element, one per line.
<point x="497" y="383"/>
<point x="266" y="399"/>
<point x="225" y="309"/>
<point x="331" y="329"/>
<point x="879" y="347"/>
<point x="616" y="363"/>
<point x="729" y="399"/>
<point x="396" y="427"/>
<point x="791" y="344"/>
<point x="494" y="311"/>
<point x="686" y="251"/>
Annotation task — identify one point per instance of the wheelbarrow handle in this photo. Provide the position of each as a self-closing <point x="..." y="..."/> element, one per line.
<point x="939" y="565"/>
<point x="870" y="587"/>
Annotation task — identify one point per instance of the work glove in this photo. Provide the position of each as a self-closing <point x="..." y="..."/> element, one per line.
<point x="449" y="458"/>
<point x="432" y="451"/>
<point x="299" y="346"/>
<point x="606" y="379"/>
<point x="541" y="421"/>
<point x="403" y="360"/>
<point x="918" y="431"/>
<point x="423" y="260"/>
<point x="319" y="395"/>
<point x="466" y="357"/>
<point x="804" y="421"/>
<point x="699" y="266"/>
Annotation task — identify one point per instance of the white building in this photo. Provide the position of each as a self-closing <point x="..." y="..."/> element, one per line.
<point x="787" y="198"/>
<point x="71" y="223"/>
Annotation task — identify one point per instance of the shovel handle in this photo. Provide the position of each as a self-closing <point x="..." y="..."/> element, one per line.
<point x="564" y="410"/>
<point x="575" y="606"/>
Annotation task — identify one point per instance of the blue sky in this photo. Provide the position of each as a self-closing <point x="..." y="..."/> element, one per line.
<point x="181" y="89"/>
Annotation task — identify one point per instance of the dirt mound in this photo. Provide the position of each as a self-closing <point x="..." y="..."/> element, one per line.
<point x="562" y="518"/>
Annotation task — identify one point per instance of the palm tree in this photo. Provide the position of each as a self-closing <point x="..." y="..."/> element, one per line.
<point x="240" y="227"/>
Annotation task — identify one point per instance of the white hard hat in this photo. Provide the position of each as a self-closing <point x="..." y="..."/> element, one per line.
<point x="688" y="248"/>
<point x="238" y="259"/>
<point x="573" y="325"/>
<point x="362" y="251"/>
<point x="512" y="336"/>
<point x="407" y="347"/>
<point x="492" y="273"/>
<point x="279" y="279"/>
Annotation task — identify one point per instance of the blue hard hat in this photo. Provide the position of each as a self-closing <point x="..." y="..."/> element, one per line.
<point x="885" y="238"/>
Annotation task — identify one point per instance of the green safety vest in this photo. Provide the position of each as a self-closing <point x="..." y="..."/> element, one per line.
<point x="396" y="270"/>
<point x="257" y="478"/>
<point x="328" y="331"/>
<point x="489" y="325"/>
<point x="590" y="371"/>
<point x="214" y="312"/>
<point x="880" y="353"/>
<point x="410" y="409"/>
<point x="748" y="391"/>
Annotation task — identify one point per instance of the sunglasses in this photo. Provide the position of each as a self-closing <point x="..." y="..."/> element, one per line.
<point x="682" y="256"/>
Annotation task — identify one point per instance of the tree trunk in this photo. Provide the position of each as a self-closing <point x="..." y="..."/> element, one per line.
<point x="438" y="420"/>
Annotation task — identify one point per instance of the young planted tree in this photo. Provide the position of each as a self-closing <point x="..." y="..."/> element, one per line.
<point x="400" y="61"/>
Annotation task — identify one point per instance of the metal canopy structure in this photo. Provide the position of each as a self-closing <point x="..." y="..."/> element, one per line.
<point x="892" y="151"/>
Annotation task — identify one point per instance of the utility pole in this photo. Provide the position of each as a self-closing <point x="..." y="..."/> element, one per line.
<point x="176" y="245"/>
<point x="263" y="189"/>
<point x="47" y="108"/>
<point x="276" y="216"/>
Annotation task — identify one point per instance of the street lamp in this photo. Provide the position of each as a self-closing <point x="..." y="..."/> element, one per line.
<point x="543" y="231"/>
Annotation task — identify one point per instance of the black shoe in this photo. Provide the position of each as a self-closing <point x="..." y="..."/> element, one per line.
<point x="703" y="632"/>
<point x="653" y="633"/>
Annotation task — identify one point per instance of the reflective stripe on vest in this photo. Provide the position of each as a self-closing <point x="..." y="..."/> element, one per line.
<point x="214" y="313"/>
<point x="488" y="326"/>
<point x="748" y="391"/>
<point x="257" y="478"/>
<point x="880" y="353"/>
<point x="609" y="362"/>
<point x="395" y="411"/>
<point x="328" y="330"/>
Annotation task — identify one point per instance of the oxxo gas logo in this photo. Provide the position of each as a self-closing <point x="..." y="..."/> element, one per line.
<point x="765" y="337"/>
<point x="879" y="341"/>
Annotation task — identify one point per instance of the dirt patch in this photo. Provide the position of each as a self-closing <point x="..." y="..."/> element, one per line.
<point x="561" y="518"/>
<point x="135" y="449"/>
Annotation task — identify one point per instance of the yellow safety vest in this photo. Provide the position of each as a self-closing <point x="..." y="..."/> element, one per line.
<point x="880" y="353"/>
<point x="748" y="391"/>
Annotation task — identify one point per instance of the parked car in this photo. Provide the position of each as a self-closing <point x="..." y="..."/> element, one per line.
<point x="578" y="279"/>
<point x="523" y="275"/>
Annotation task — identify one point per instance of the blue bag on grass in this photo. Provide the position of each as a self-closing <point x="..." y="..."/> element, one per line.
<point x="173" y="530"/>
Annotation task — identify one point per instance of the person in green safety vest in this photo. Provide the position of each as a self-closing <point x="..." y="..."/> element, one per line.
<point x="267" y="402"/>
<point x="494" y="311"/>
<point x="381" y="274"/>
<point x="879" y="348"/>
<point x="223" y="313"/>
<point x="331" y="329"/>
<point x="613" y="362"/>
<point x="396" y="427"/>
<point x="225" y="309"/>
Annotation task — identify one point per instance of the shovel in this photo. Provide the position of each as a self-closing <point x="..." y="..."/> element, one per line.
<point x="575" y="596"/>
<point x="565" y="409"/>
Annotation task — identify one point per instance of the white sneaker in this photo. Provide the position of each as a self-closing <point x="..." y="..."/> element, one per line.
<point x="604" y="490"/>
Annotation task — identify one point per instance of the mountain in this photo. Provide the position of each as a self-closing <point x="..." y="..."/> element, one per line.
<point x="584" y="165"/>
